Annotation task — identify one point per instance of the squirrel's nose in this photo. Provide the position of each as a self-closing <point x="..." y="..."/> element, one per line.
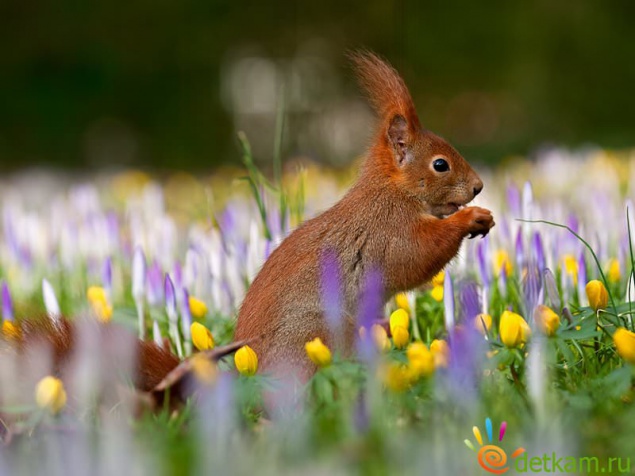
<point x="477" y="188"/>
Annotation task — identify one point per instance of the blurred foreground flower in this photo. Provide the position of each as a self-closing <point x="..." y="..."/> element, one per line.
<point x="546" y="320"/>
<point x="397" y="377"/>
<point x="420" y="359"/>
<point x="203" y="368"/>
<point x="50" y="394"/>
<point x="10" y="331"/>
<point x="380" y="337"/>
<point x="514" y="330"/>
<point x="319" y="353"/>
<point x="197" y="307"/>
<point x="201" y="337"/>
<point x="99" y="303"/>
<point x="625" y="344"/>
<point x="246" y="360"/>
<point x="597" y="294"/>
<point x="440" y="352"/>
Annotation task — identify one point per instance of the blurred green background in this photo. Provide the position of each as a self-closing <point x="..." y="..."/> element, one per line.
<point x="166" y="84"/>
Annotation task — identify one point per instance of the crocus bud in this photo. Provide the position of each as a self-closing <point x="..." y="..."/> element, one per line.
<point x="514" y="330"/>
<point x="400" y="336"/>
<point x="197" y="307"/>
<point x="597" y="294"/>
<point x="624" y="341"/>
<point x="440" y="352"/>
<point x="420" y="359"/>
<point x="546" y="320"/>
<point x="614" y="272"/>
<point x="399" y="318"/>
<point x="319" y="353"/>
<point x="201" y="337"/>
<point x="50" y="394"/>
<point x="483" y="323"/>
<point x="402" y="301"/>
<point x="246" y="360"/>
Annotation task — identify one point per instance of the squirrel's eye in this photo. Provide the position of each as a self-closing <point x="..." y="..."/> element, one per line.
<point x="441" y="165"/>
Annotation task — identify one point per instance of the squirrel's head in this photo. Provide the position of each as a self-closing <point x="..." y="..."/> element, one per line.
<point x="420" y="162"/>
<point x="427" y="167"/>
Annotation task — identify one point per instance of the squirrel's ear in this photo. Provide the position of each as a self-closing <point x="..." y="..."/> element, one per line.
<point x="400" y="139"/>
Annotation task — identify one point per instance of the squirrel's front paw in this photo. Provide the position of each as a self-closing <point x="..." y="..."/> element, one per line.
<point x="477" y="220"/>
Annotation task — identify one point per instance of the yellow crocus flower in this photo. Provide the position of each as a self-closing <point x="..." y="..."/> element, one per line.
<point x="437" y="293"/>
<point x="197" y="307"/>
<point x="570" y="266"/>
<point x="318" y="352"/>
<point x="400" y="336"/>
<point x="50" y="394"/>
<point x="99" y="303"/>
<point x="614" y="272"/>
<point x="502" y="261"/>
<point x="513" y="329"/>
<point x="401" y="299"/>
<point x="397" y="377"/>
<point x="597" y="294"/>
<point x="246" y="360"/>
<point x="201" y="336"/>
<point x="546" y="320"/>
<point x="624" y="341"/>
<point x="399" y="318"/>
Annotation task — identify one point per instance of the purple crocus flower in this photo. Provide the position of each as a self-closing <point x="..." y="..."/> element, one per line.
<point x="7" y="303"/>
<point x="532" y="289"/>
<point x="370" y="308"/>
<point x="481" y="258"/>
<point x="465" y="365"/>
<point x="106" y="275"/>
<point x="520" y="249"/>
<point x="552" y="289"/>
<point x="186" y="320"/>
<point x="538" y="252"/>
<point x="330" y="287"/>
<point x="170" y="309"/>
<point x="470" y="301"/>
<point x="138" y="274"/>
<point x="155" y="284"/>
<point x="513" y="200"/>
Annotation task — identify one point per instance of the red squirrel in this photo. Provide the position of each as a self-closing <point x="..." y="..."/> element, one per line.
<point x="403" y="217"/>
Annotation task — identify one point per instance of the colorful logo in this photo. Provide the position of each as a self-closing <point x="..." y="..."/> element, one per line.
<point x="492" y="458"/>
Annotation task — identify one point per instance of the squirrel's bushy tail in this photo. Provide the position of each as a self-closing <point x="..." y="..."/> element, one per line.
<point x="385" y="89"/>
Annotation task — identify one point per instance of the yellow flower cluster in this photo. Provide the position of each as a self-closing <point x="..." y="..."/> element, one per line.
<point x="98" y="301"/>
<point x="422" y="362"/>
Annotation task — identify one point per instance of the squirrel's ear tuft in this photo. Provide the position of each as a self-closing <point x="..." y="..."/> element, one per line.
<point x="400" y="138"/>
<point x="385" y="89"/>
